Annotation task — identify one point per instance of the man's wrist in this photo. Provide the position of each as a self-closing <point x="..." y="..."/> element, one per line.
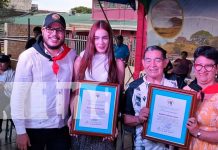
<point x="138" y="120"/>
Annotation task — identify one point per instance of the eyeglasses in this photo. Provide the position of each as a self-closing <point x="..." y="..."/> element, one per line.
<point x="208" y="67"/>
<point x="58" y="30"/>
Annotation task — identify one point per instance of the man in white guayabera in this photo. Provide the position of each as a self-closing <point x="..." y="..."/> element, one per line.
<point x="41" y="93"/>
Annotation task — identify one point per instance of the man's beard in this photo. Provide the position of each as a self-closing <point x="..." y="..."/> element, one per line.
<point x="55" y="47"/>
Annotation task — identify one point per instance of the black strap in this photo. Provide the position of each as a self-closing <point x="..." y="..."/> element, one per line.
<point x="194" y="85"/>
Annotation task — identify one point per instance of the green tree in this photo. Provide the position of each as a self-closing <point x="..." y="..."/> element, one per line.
<point x="4" y="3"/>
<point x="7" y="13"/>
<point x="82" y="10"/>
<point x="201" y="37"/>
<point x="214" y="42"/>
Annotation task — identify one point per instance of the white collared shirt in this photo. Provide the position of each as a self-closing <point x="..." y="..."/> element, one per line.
<point x="40" y="99"/>
<point x="60" y="51"/>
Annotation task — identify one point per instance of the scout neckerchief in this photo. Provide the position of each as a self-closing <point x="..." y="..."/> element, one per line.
<point x="211" y="89"/>
<point x="55" y="67"/>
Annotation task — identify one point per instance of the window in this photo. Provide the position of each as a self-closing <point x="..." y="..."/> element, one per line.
<point x="97" y="4"/>
<point x="112" y="5"/>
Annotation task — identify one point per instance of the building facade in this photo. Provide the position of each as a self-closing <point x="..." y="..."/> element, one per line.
<point x="21" y="5"/>
<point x="113" y="11"/>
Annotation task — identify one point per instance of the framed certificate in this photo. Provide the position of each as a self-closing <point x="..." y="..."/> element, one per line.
<point x="96" y="108"/>
<point x="170" y="109"/>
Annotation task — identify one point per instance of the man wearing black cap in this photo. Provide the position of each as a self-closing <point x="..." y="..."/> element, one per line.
<point x="41" y="93"/>
<point x="6" y="80"/>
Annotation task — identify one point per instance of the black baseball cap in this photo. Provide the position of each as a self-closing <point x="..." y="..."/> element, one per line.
<point x="4" y="58"/>
<point x="54" y="17"/>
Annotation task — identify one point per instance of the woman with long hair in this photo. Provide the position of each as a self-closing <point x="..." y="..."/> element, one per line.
<point x="97" y="63"/>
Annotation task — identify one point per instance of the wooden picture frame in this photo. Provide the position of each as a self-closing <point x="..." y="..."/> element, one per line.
<point x="96" y="109"/>
<point x="170" y="109"/>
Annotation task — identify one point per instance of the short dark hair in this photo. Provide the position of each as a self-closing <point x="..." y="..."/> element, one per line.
<point x="157" y="48"/>
<point x="208" y="52"/>
<point x="120" y="37"/>
<point x="37" y="29"/>
<point x="184" y="52"/>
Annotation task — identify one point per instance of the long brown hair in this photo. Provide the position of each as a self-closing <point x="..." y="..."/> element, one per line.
<point x="90" y="51"/>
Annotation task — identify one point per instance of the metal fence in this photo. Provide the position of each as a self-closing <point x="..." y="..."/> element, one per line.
<point x="78" y="42"/>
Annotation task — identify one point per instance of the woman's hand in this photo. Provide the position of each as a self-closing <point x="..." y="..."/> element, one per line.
<point x="111" y="138"/>
<point x="192" y="126"/>
<point x="69" y="124"/>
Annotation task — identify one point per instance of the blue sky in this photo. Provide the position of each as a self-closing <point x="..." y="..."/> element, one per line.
<point x="61" y="5"/>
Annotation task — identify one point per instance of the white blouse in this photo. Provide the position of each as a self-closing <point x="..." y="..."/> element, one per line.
<point x="100" y="67"/>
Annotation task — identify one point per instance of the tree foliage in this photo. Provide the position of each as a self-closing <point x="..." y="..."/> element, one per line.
<point x="4" y="3"/>
<point x="201" y="37"/>
<point x="82" y="10"/>
<point x="7" y="13"/>
<point x="214" y="42"/>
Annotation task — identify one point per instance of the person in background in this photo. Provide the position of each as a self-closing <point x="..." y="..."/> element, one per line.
<point x="6" y="80"/>
<point x="41" y="92"/>
<point x="204" y="125"/>
<point x="168" y="69"/>
<point x="97" y="63"/>
<point x="172" y="76"/>
<point x="37" y="31"/>
<point x="136" y="113"/>
<point x="182" y="67"/>
<point x="121" y="51"/>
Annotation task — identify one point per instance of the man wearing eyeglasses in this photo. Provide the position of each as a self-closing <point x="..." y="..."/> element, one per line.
<point x="41" y="93"/>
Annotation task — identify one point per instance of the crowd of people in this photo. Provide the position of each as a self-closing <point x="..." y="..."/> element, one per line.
<point x="42" y="101"/>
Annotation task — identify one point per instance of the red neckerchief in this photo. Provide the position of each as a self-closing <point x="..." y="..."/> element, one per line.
<point x="211" y="89"/>
<point x="55" y="66"/>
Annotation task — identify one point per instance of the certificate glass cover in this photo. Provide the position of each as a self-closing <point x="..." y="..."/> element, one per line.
<point x="96" y="109"/>
<point x="170" y="109"/>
